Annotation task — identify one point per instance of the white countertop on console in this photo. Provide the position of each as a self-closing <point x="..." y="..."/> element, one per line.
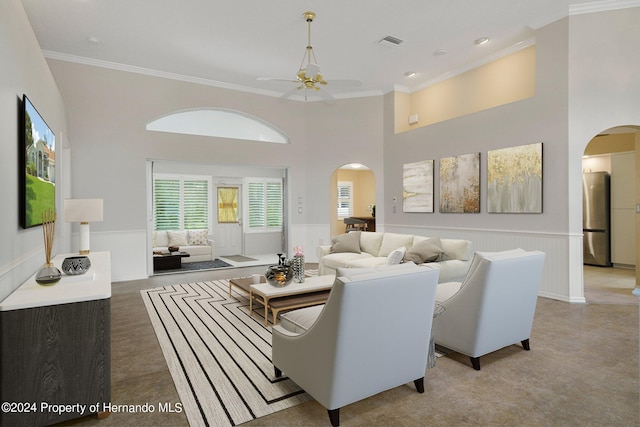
<point x="93" y="285"/>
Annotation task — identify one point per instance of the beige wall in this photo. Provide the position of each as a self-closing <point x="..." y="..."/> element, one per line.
<point x="505" y="80"/>
<point x="364" y="194"/>
<point x="611" y="143"/>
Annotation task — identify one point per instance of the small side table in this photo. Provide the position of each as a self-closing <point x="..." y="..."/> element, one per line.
<point x="431" y="360"/>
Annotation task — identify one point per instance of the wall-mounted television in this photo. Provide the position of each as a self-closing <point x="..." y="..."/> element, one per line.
<point x="37" y="177"/>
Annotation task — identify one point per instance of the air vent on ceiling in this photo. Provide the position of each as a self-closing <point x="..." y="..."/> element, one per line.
<point x="390" y="41"/>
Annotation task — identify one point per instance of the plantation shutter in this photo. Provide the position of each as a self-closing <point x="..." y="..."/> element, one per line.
<point x="181" y="202"/>
<point x="196" y="204"/>
<point x="345" y="199"/>
<point x="166" y="200"/>
<point x="257" y="211"/>
<point x="274" y="204"/>
<point x="265" y="205"/>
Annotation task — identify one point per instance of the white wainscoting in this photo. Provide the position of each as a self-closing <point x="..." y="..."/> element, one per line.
<point x="129" y="251"/>
<point x="562" y="278"/>
<point x="309" y="236"/>
<point x="14" y="274"/>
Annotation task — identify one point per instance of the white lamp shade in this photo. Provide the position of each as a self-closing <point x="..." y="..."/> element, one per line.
<point x="83" y="210"/>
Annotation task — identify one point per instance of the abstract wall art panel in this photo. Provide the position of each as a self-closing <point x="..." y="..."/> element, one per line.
<point x="460" y="184"/>
<point x="514" y="179"/>
<point x="417" y="186"/>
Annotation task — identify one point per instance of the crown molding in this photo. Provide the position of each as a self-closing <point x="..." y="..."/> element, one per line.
<point x="189" y="79"/>
<point x="155" y="73"/>
<point x="485" y="60"/>
<point x="602" y="6"/>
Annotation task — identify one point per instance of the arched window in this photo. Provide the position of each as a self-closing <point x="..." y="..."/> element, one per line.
<point x="220" y="123"/>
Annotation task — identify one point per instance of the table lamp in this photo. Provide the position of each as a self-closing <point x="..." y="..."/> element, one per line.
<point x="83" y="211"/>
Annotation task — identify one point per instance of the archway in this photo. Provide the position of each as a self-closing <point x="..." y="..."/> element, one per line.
<point x="352" y="194"/>
<point x="611" y="235"/>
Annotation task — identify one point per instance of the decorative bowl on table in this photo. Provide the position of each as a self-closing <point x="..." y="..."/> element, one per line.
<point x="173" y="248"/>
<point x="76" y="265"/>
<point x="279" y="275"/>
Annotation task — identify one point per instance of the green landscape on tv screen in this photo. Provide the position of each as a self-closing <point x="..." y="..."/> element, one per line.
<point x="39" y="189"/>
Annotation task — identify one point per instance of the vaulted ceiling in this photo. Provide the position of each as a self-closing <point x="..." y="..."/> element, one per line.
<point x="234" y="43"/>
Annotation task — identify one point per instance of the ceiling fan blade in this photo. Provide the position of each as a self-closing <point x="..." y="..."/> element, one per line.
<point x="270" y="79"/>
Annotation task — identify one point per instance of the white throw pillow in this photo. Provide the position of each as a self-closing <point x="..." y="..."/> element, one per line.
<point x="198" y="237"/>
<point x="177" y="238"/>
<point x="395" y="257"/>
<point x="160" y="239"/>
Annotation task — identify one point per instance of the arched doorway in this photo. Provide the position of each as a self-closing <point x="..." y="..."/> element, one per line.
<point x="352" y="194"/>
<point x="611" y="156"/>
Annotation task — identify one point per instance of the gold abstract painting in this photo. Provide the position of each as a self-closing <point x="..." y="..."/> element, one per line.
<point x="514" y="179"/>
<point x="460" y="184"/>
<point x="417" y="186"/>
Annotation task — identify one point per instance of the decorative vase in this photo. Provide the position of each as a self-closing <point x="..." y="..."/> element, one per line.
<point x="76" y="265"/>
<point x="48" y="275"/>
<point x="297" y="263"/>
<point x="279" y="275"/>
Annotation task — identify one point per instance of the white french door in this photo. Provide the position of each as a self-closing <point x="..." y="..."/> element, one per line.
<point x="228" y="234"/>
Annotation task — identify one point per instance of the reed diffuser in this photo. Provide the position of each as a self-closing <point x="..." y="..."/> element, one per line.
<point x="49" y="274"/>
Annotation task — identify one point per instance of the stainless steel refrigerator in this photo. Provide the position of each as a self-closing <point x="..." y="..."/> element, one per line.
<point x="596" y="222"/>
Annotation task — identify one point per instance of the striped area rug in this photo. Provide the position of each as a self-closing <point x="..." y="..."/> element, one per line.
<point x="218" y="355"/>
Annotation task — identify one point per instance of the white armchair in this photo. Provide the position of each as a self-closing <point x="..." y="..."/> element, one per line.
<point x="494" y="306"/>
<point x="372" y="335"/>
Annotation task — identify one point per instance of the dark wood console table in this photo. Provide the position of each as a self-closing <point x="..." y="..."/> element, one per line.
<point x="371" y="222"/>
<point x="55" y="348"/>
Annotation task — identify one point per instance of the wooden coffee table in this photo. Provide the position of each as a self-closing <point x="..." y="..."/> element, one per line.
<point x="313" y="291"/>
<point x="168" y="261"/>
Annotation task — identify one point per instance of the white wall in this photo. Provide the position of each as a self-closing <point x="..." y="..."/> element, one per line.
<point x="542" y="118"/>
<point x="108" y="111"/>
<point x="23" y="70"/>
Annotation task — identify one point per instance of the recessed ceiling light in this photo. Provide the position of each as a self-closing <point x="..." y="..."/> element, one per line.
<point x="481" y="41"/>
<point x="355" y="165"/>
<point x="94" y="40"/>
<point x="410" y="74"/>
<point x="440" y="52"/>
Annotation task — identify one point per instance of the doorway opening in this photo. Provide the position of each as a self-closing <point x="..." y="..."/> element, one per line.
<point x="214" y="216"/>
<point x="352" y="195"/>
<point x="610" y="235"/>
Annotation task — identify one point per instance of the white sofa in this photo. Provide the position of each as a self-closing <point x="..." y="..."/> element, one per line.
<point x="195" y="242"/>
<point x="362" y="249"/>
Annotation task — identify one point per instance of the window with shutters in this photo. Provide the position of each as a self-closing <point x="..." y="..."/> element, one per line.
<point x="345" y="199"/>
<point x="264" y="204"/>
<point x="181" y="202"/>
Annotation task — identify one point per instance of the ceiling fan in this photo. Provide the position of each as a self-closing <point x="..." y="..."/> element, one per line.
<point x="308" y="76"/>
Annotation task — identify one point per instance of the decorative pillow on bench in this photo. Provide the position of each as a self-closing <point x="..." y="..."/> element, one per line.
<point x="177" y="238"/>
<point x="198" y="237"/>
